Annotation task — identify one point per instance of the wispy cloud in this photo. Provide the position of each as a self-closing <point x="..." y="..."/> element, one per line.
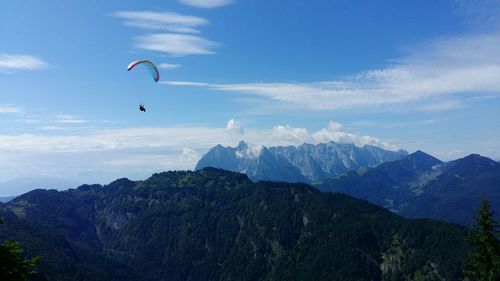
<point x="189" y="156"/>
<point x="69" y="119"/>
<point x="443" y="105"/>
<point x="479" y="14"/>
<point x="187" y="83"/>
<point x="176" y="44"/>
<point x="10" y="62"/>
<point x="166" y="21"/>
<point x="37" y="119"/>
<point x="9" y="108"/>
<point x="177" y="33"/>
<point x="51" y="128"/>
<point x="169" y="66"/>
<point x="206" y="3"/>
<point x="235" y="126"/>
<point x="435" y="72"/>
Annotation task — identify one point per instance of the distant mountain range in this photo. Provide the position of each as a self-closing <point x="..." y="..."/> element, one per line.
<point x="415" y="186"/>
<point x="22" y="185"/>
<point x="305" y="163"/>
<point x="6" y="199"/>
<point x="218" y="225"/>
<point x="421" y="186"/>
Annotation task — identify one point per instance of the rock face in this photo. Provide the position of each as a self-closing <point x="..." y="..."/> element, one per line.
<point x="305" y="163"/>
<point x="218" y="225"/>
<point x="258" y="162"/>
<point x="421" y="186"/>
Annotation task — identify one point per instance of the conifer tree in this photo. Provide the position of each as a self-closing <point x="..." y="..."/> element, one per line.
<point x="13" y="267"/>
<point x="483" y="263"/>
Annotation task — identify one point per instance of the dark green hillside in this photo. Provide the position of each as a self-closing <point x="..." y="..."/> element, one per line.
<point x="61" y="258"/>
<point x="218" y="225"/>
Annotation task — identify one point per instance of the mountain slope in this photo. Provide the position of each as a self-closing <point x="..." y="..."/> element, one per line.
<point x="455" y="194"/>
<point x="62" y="259"/>
<point x="217" y="225"/>
<point x="422" y="186"/>
<point x="305" y="163"/>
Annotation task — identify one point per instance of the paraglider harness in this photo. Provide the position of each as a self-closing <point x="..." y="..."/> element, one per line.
<point x="142" y="108"/>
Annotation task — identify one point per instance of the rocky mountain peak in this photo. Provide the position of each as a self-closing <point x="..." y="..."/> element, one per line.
<point x="423" y="159"/>
<point x="472" y="165"/>
<point x="305" y="163"/>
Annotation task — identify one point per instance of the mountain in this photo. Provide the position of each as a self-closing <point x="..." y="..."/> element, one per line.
<point x="305" y="163"/>
<point x="258" y="162"/>
<point x="22" y="185"/>
<point x="218" y="225"/>
<point x="421" y="186"/>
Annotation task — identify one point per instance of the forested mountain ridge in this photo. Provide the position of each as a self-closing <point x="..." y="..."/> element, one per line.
<point x="421" y="186"/>
<point x="218" y="225"/>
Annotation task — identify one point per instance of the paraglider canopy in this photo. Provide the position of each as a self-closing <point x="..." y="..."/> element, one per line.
<point x="149" y="65"/>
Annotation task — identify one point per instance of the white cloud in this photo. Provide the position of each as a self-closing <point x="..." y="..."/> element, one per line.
<point x="169" y="66"/>
<point x="115" y="139"/>
<point x="189" y="156"/>
<point x="69" y="119"/>
<point x="21" y="62"/>
<point x="335" y="126"/>
<point x="235" y="126"/>
<point x="45" y="121"/>
<point x="102" y="155"/>
<point x="335" y="133"/>
<point x="177" y="33"/>
<point x="9" y="108"/>
<point x="443" y="105"/>
<point x="436" y="72"/>
<point x="291" y="135"/>
<point x="185" y="83"/>
<point x="166" y="21"/>
<point x="251" y="151"/>
<point x="51" y="128"/>
<point x="176" y="44"/>
<point x="206" y="3"/>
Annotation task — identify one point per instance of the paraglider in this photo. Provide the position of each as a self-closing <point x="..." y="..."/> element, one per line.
<point x="149" y="65"/>
<point x="151" y="68"/>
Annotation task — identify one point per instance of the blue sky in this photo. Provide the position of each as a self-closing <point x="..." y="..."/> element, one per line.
<point x="397" y="74"/>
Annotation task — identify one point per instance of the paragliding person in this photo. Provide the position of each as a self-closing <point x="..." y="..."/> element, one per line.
<point x="153" y="70"/>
